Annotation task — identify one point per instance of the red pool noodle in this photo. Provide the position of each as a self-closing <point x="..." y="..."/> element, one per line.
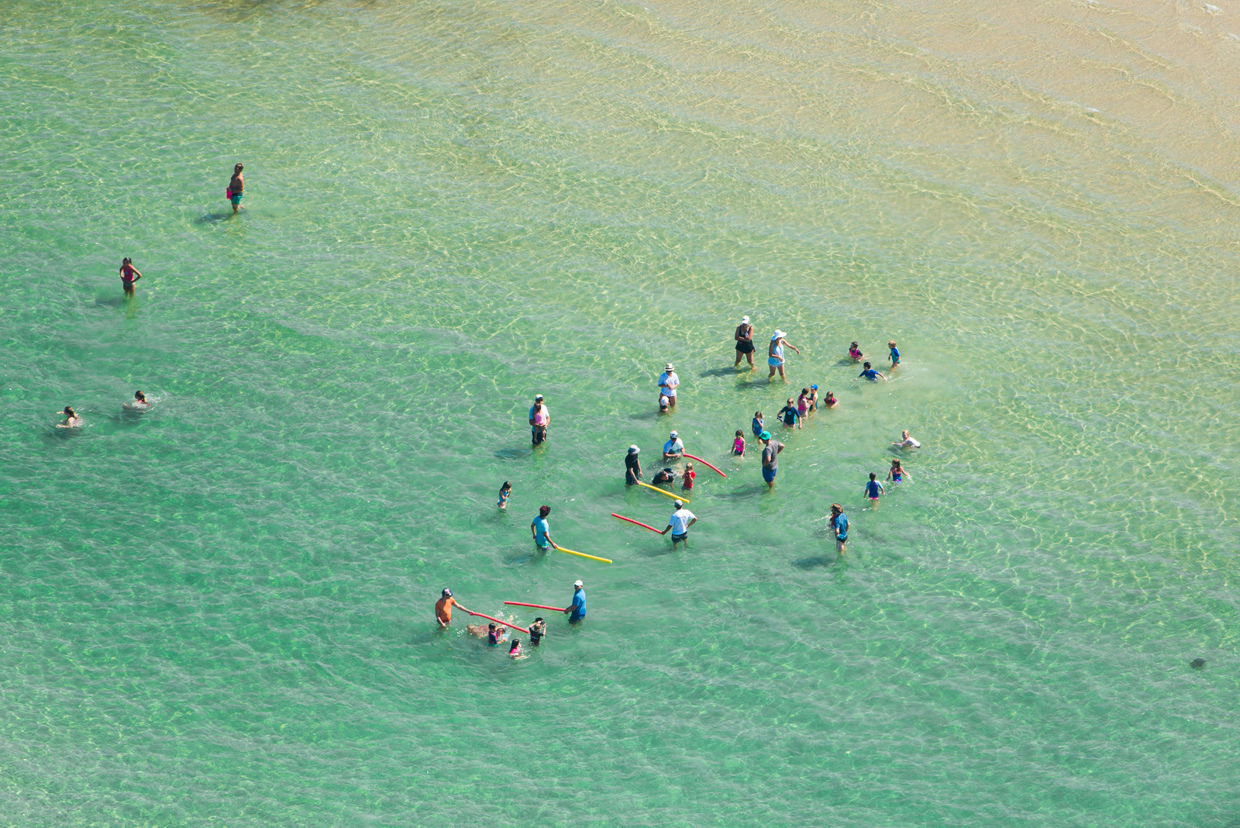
<point x="638" y="522"/>
<point x="700" y="460"/>
<point x="535" y="606"/>
<point x="505" y="623"/>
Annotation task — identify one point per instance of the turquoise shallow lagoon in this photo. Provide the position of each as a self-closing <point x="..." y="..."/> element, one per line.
<point x="219" y="612"/>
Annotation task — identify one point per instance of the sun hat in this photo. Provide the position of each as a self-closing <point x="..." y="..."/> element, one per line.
<point x="766" y="435"/>
<point x="673" y="435"/>
<point x="578" y="583"/>
<point x="669" y="367"/>
<point x="633" y="449"/>
<point x="744" y="320"/>
<point x="778" y="334"/>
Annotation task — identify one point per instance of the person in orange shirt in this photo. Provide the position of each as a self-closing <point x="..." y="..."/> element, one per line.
<point x="443" y="608"/>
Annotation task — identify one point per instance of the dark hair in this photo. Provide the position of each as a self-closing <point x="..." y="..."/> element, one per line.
<point x="70" y="411"/>
<point x="536" y="620"/>
<point x="516" y="642"/>
<point x="804" y="390"/>
<point x="873" y="475"/>
<point x="490" y="626"/>
<point x="138" y="395"/>
<point x="866" y="365"/>
<point x="506" y="485"/>
<point x="543" y="511"/>
<point x="239" y="167"/>
<point x="126" y="261"/>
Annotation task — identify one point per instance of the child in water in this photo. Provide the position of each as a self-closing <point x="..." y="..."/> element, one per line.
<point x="757" y="424"/>
<point x="813" y="399"/>
<point x="664" y="476"/>
<point x="738" y="445"/>
<point x="895" y="353"/>
<point x="686" y="479"/>
<point x="830" y="401"/>
<point x="873" y="489"/>
<point x="897" y="472"/>
<point x="870" y="374"/>
<point x="803" y="403"/>
<point x="854" y="353"/>
<point x="504" y="491"/>
<point x="537" y="630"/>
<point x="515" y="650"/>
<point x="72" y="420"/>
<point x="497" y="635"/>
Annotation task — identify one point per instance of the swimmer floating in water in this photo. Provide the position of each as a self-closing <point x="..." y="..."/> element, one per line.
<point x="72" y="420"/>
<point x="138" y="403"/>
<point x="906" y="441"/>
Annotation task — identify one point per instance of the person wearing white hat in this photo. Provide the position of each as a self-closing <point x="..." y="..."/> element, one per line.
<point x="744" y="342"/>
<point x="632" y="467"/>
<point x="678" y="524"/>
<point x="673" y="448"/>
<point x="578" y="606"/>
<point x="775" y="355"/>
<point x="668" y="383"/>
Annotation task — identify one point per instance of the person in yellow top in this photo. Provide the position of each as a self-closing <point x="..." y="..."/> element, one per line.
<point x="443" y="608"/>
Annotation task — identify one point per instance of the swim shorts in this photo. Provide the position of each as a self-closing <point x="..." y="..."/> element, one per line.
<point x="769" y="474"/>
<point x="744" y="347"/>
<point x="678" y="538"/>
<point x="235" y="198"/>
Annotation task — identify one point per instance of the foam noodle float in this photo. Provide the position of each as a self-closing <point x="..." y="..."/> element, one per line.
<point x="638" y="522"/>
<point x="505" y="623"/>
<point x="582" y="554"/>
<point x="660" y="491"/>
<point x="700" y="460"/>
<point x="535" y="606"/>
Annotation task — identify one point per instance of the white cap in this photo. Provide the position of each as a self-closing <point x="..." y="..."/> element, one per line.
<point x="538" y="396"/>
<point x="633" y="449"/>
<point x="744" y="320"/>
<point x="673" y="435"/>
<point x="578" y="583"/>
<point x="679" y="505"/>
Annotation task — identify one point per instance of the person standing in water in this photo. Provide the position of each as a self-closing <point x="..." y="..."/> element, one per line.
<point x="678" y="524"/>
<point x="873" y="489"/>
<point x="775" y="355"/>
<point x="839" y="523"/>
<point x="236" y="187"/>
<point x="668" y="383"/>
<point x="537" y="630"/>
<point x="540" y="420"/>
<point x="896" y="473"/>
<point x="541" y="530"/>
<point x="578" y="606"/>
<point x="674" y="448"/>
<point x="744" y="342"/>
<point x="770" y="458"/>
<point x="632" y="467"/>
<point x="443" y="608"/>
<point x="505" y="492"/>
<point x="129" y="275"/>
<point x="894" y="353"/>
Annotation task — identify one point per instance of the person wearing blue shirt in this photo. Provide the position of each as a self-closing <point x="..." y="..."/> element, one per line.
<point x="541" y="530"/>
<point x="870" y="374"/>
<point x="673" y="448"/>
<point x="578" y="607"/>
<point x="895" y="353"/>
<point x="839" y="522"/>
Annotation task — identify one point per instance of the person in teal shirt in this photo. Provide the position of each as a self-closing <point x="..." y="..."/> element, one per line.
<point x="541" y="530"/>
<point x="578" y="607"/>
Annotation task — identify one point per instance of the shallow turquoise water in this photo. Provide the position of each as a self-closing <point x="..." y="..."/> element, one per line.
<point x="219" y="612"/>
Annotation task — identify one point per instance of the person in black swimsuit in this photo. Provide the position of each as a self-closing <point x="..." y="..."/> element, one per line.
<point x="744" y="342"/>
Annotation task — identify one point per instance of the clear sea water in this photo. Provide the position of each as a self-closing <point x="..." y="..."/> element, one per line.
<point x="220" y="612"/>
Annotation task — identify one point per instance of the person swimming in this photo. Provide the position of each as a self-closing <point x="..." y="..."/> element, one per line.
<point x="665" y="476"/>
<point x="515" y="650"/>
<point x="906" y="441"/>
<point x="854" y="353"/>
<point x="870" y="374"/>
<point x="496" y="635"/>
<point x="138" y="403"/>
<point x="72" y="420"/>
